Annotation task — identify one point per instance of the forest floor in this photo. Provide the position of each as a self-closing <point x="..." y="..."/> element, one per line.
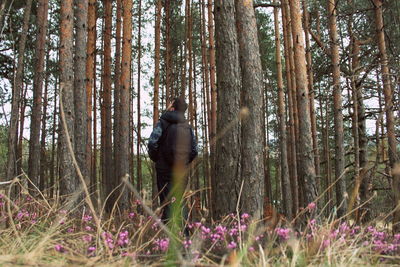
<point x="41" y="232"/>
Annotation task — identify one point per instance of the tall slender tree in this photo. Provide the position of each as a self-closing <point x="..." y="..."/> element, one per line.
<point x="16" y="97"/>
<point x="306" y="157"/>
<point x="125" y="85"/>
<point x="285" y="179"/>
<point x="80" y="101"/>
<point x="388" y="96"/>
<point x="34" y="144"/>
<point x="68" y="181"/>
<point x="337" y="109"/>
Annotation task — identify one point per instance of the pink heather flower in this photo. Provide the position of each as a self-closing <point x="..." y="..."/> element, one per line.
<point x="251" y="249"/>
<point x="259" y="237"/>
<point x="245" y="216"/>
<point x="312" y="222"/>
<point x="243" y="227"/>
<point x="161" y="244"/>
<point x="88" y="228"/>
<point x="283" y="233"/>
<point x="87" y="218"/>
<point x="365" y="243"/>
<point x="187" y="243"/>
<point x="397" y="238"/>
<point x="70" y="230"/>
<point x="87" y="238"/>
<point x="311" y="206"/>
<point x="232" y="245"/>
<point x="131" y="215"/>
<point x="59" y="248"/>
<point x="123" y="238"/>
<point x="1" y="196"/>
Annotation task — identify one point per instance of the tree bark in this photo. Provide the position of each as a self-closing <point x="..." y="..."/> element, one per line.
<point x="341" y="201"/>
<point x="227" y="160"/>
<point x="34" y="144"/>
<point x="139" y="123"/>
<point x="388" y="97"/>
<point x="306" y="159"/>
<point x="125" y="86"/>
<point x="16" y="97"/>
<point x="91" y="87"/>
<point x="110" y="181"/>
<point x="117" y="80"/>
<point x="251" y="98"/>
<point x="68" y="181"/>
<point x="80" y="101"/>
<point x="286" y="189"/>
<point x="292" y="155"/>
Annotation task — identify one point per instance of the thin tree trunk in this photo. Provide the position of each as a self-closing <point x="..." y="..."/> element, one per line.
<point x="168" y="53"/>
<point x="213" y="88"/>
<point x="341" y="200"/>
<point x="139" y="123"/>
<point x="306" y="159"/>
<point x="43" y="150"/>
<point x="388" y="95"/>
<point x="20" y="144"/>
<point x="156" y="85"/>
<point x="292" y="156"/>
<point x="68" y="181"/>
<point x="227" y="157"/>
<point x="312" y="94"/>
<point x="125" y="85"/>
<point x="80" y="101"/>
<point x="34" y="144"/>
<point x="16" y="97"/>
<point x="91" y="89"/>
<point x="117" y="79"/>
<point x="107" y="176"/>
<point x="286" y="189"/>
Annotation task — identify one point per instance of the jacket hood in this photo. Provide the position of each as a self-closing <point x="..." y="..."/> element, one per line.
<point x="173" y="117"/>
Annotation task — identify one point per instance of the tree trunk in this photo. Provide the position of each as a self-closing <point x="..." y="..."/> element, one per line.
<point x="312" y="94"/>
<point x="34" y="144"/>
<point x="227" y="158"/>
<point x="306" y="158"/>
<point x="292" y="155"/>
<point x="43" y="150"/>
<point x="68" y="181"/>
<point x="251" y="97"/>
<point x="139" y="123"/>
<point x="80" y="101"/>
<point x="125" y="85"/>
<point x="168" y="53"/>
<point x="286" y="189"/>
<point x="341" y="201"/>
<point x="388" y="95"/>
<point x="91" y="87"/>
<point x="117" y="80"/>
<point x="16" y="97"/>
<point x="107" y="176"/>
<point x="156" y="85"/>
<point x="213" y="103"/>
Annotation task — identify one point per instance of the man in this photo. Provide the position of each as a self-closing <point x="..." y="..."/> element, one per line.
<point x="172" y="146"/>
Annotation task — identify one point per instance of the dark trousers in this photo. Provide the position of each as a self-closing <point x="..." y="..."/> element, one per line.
<point x="165" y="187"/>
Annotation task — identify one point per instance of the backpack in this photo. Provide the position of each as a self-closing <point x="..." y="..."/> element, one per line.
<point x="175" y="145"/>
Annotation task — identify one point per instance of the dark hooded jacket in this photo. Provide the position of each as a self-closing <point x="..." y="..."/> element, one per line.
<point x="158" y="145"/>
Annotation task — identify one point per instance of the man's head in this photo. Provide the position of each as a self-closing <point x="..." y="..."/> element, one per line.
<point x="179" y="104"/>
